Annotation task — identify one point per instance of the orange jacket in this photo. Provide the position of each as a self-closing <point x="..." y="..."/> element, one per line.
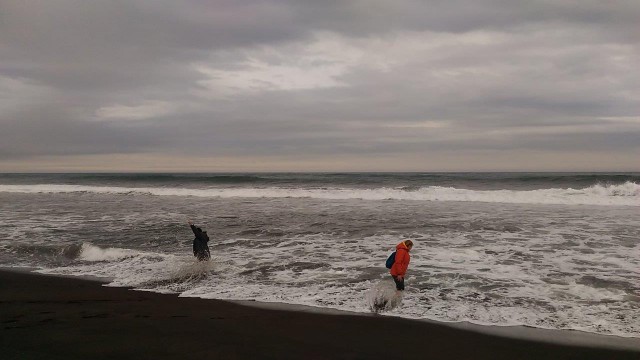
<point x="401" y="264"/>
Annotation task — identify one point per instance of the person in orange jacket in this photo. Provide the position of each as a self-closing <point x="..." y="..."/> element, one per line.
<point x="401" y="263"/>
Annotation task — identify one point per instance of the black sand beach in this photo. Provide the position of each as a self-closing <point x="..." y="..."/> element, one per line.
<point x="45" y="317"/>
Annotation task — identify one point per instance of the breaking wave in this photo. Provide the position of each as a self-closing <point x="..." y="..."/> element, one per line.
<point x="89" y="252"/>
<point x="627" y="194"/>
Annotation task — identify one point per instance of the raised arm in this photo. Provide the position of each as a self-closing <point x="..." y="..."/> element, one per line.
<point x="193" y="227"/>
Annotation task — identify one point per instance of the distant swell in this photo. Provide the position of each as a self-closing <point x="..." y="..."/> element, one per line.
<point x="627" y="194"/>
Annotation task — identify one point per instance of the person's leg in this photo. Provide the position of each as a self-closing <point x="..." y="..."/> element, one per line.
<point x="399" y="283"/>
<point x="203" y="255"/>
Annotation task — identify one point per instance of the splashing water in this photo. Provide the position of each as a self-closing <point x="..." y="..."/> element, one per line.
<point x="383" y="297"/>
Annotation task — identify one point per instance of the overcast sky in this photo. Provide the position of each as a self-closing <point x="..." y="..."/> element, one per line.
<point x="451" y="85"/>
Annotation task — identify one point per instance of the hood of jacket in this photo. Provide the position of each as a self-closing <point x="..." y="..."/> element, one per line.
<point x="402" y="246"/>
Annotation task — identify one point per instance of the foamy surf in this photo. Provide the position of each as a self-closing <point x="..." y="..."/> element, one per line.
<point x="274" y="279"/>
<point x="490" y="251"/>
<point x="383" y="297"/>
<point x="89" y="252"/>
<point x="627" y="194"/>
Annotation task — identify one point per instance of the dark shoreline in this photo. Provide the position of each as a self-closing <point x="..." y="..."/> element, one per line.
<point x="45" y="317"/>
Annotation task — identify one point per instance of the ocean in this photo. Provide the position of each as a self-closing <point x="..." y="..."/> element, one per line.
<point x="546" y="250"/>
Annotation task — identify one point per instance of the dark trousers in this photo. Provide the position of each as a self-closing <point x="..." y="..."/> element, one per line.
<point x="399" y="283"/>
<point x="201" y="250"/>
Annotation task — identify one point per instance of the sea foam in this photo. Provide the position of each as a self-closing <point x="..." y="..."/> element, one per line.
<point x="627" y="194"/>
<point x="89" y="252"/>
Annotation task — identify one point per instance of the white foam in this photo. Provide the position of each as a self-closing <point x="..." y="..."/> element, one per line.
<point x="627" y="194"/>
<point x="523" y="297"/>
<point x="383" y="297"/>
<point x="569" y="268"/>
<point x="90" y="252"/>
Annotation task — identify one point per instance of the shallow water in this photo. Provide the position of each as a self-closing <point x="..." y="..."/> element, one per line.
<point x="556" y="252"/>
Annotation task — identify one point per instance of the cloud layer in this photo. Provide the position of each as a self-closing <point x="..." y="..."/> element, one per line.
<point x="336" y="86"/>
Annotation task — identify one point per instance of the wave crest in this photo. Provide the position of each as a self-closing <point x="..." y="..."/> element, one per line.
<point x="627" y="194"/>
<point x="627" y="189"/>
<point x="89" y="252"/>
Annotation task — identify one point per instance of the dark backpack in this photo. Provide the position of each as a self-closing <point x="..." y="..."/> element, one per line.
<point x="390" y="260"/>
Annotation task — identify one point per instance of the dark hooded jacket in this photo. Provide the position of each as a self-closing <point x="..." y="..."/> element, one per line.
<point x="200" y="247"/>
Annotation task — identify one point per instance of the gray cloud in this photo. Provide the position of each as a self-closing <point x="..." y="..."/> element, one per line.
<point x="320" y="79"/>
<point x="49" y="130"/>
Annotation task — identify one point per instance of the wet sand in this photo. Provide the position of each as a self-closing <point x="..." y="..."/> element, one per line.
<point x="45" y="317"/>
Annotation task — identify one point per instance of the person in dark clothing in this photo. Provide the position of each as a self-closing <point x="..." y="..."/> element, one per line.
<point x="200" y="247"/>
